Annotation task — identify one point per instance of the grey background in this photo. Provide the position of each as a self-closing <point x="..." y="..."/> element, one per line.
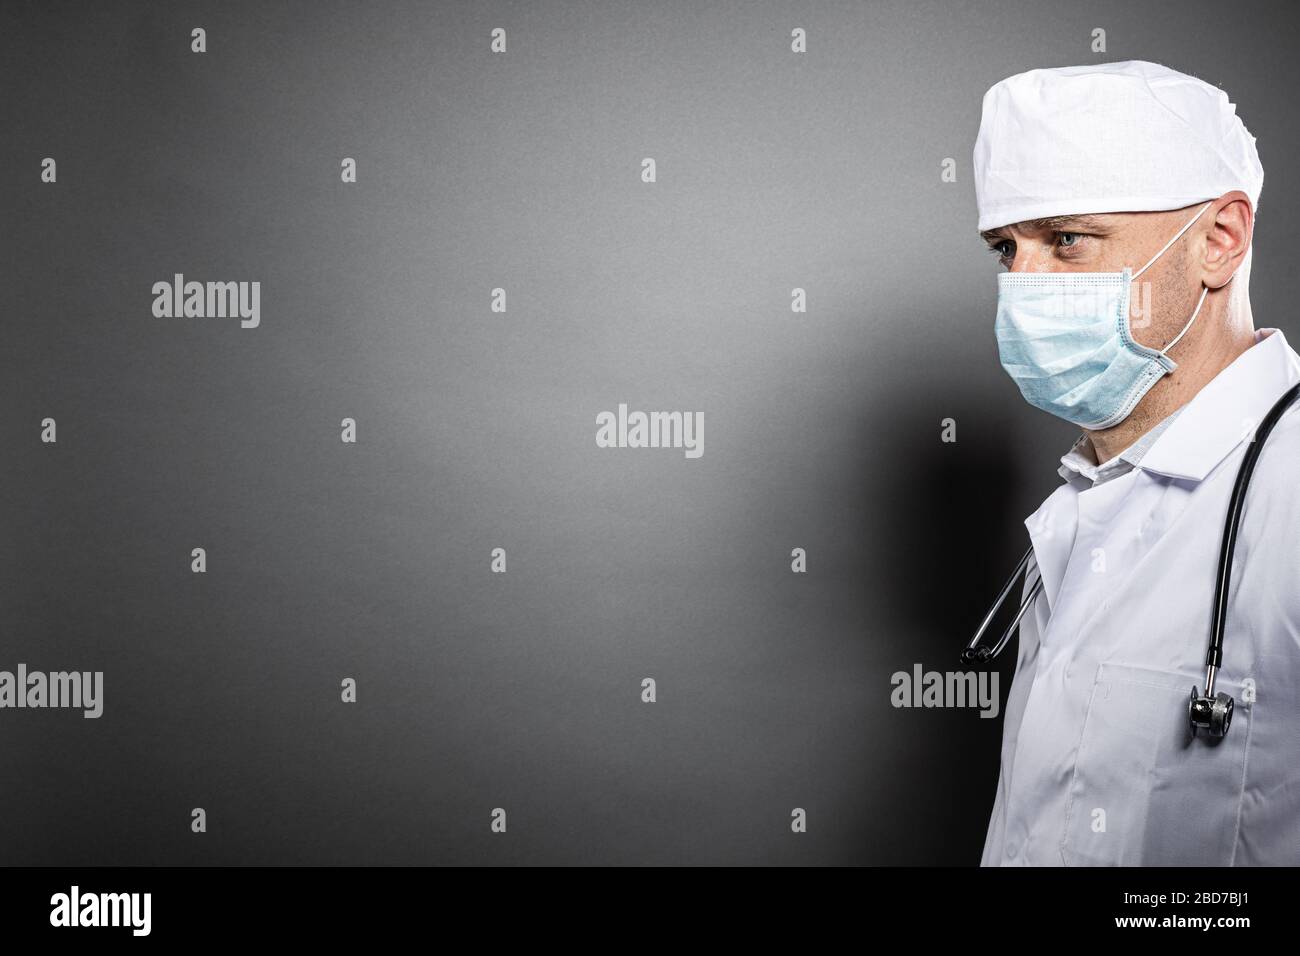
<point x="476" y="430"/>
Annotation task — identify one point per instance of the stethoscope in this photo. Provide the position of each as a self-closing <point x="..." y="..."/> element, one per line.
<point x="1209" y="713"/>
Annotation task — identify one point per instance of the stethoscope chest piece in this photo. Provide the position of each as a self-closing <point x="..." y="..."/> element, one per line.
<point x="1210" y="716"/>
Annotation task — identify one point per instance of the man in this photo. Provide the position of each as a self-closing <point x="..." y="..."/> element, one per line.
<point x="1081" y="174"/>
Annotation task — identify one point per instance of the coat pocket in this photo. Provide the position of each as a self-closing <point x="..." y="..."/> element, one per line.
<point x="1145" y="792"/>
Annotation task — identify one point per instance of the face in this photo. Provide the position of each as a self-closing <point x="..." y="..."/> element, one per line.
<point x="1160" y="301"/>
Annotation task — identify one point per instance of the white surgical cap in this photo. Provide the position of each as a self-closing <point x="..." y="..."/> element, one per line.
<point x="1114" y="137"/>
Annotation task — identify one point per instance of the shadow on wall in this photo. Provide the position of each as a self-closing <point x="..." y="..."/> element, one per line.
<point x="955" y="522"/>
<point x="952" y="527"/>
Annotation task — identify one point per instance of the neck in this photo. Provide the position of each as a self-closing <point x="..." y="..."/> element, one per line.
<point x="1216" y="345"/>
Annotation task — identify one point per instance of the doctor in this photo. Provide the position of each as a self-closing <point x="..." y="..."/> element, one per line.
<point x="1082" y="173"/>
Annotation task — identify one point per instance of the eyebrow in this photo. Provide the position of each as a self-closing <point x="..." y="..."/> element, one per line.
<point x="1048" y="224"/>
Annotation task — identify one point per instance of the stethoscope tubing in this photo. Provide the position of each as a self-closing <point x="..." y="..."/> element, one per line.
<point x="973" y="652"/>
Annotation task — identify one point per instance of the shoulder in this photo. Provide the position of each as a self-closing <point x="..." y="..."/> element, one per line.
<point x="1270" y="520"/>
<point x="1277" y="468"/>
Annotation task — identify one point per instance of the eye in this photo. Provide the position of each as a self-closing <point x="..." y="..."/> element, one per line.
<point x="1004" y="249"/>
<point x="1069" y="240"/>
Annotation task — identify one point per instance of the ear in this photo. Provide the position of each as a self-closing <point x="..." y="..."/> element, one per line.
<point x="1227" y="239"/>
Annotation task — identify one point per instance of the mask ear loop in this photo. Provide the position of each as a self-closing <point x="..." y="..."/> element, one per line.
<point x="1204" y="292"/>
<point x="1178" y="235"/>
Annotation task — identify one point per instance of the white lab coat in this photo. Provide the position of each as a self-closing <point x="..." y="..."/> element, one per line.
<point x="1098" y="766"/>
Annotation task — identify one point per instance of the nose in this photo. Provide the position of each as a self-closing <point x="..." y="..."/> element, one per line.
<point x="1033" y="256"/>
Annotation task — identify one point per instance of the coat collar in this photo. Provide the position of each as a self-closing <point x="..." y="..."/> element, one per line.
<point x="1078" y="465"/>
<point x="1225" y="412"/>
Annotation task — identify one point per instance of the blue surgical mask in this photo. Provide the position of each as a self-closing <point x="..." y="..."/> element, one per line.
<point x="1064" y="337"/>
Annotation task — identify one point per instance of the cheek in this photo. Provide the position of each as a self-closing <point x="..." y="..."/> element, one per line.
<point x="1159" y="309"/>
<point x="1144" y="311"/>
